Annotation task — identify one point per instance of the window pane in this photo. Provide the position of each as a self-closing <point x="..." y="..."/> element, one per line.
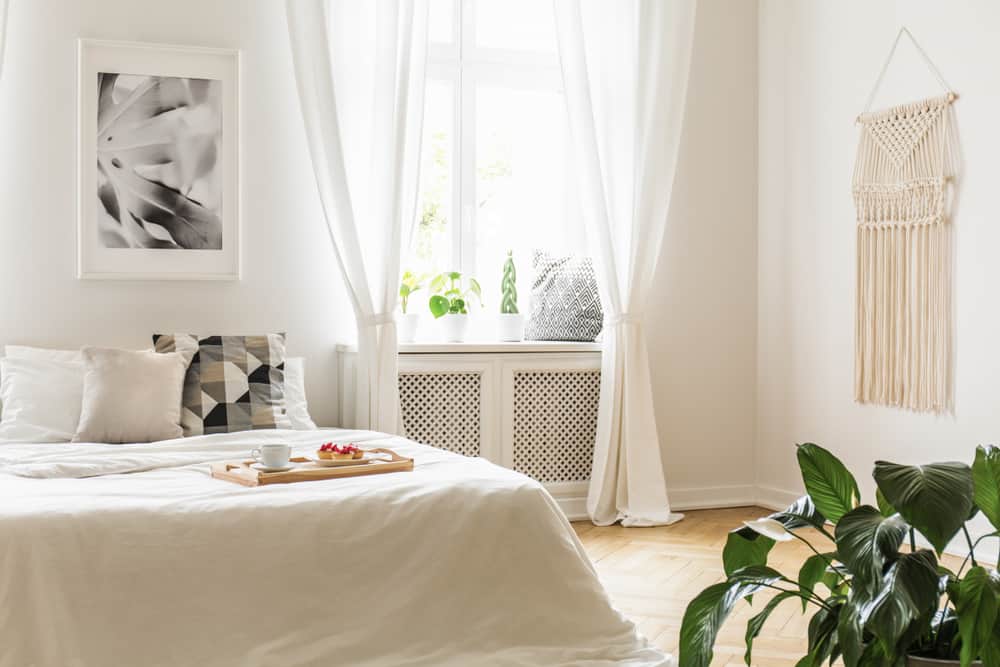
<point x="431" y="250"/>
<point x="523" y="190"/>
<point x="522" y="25"/>
<point x="440" y="21"/>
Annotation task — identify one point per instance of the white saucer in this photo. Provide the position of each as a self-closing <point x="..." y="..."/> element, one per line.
<point x="263" y="468"/>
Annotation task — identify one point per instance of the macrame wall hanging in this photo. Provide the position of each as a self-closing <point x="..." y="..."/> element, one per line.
<point x="906" y="167"/>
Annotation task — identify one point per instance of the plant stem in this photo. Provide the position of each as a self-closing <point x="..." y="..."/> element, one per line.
<point x="972" y="548"/>
<point x="913" y="540"/>
<point x="944" y="608"/>
<point x="825" y="533"/>
<point x="974" y="545"/>
<point x="812" y="595"/>
<point x="826" y="560"/>
<point x="815" y="599"/>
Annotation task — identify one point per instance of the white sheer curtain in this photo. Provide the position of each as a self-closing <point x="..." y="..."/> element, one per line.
<point x="625" y="68"/>
<point x="3" y="32"/>
<point x="360" y="73"/>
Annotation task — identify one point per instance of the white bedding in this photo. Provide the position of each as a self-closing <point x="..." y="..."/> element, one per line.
<point x="459" y="562"/>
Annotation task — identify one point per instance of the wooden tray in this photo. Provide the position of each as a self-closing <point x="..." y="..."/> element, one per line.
<point x="242" y="473"/>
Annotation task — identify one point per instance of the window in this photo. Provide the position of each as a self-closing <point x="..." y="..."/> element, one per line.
<point x="495" y="166"/>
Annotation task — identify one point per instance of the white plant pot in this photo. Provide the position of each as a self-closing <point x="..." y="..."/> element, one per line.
<point x="408" y="323"/>
<point x="510" y="327"/>
<point x="454" y="327"/>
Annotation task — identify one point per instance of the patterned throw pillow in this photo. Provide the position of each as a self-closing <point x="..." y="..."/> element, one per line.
<point x="234" y="383"/>
<point x="565" y="304"/>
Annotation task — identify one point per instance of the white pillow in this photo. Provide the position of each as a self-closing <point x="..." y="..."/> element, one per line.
<point x="43" y="354"/>
<point x="295" y="395"/>
<point x="41" y="399"/>
<point x="131" y="395"/>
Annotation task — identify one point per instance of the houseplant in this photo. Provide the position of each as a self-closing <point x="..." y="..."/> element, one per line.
<point x="878" y="599"/>
<point x="409" y="322"/>
<point x="511" y="323"/>
<point x="450" y="299"/>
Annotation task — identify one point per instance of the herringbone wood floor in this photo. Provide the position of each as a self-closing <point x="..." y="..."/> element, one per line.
<point x="652" y="573"/>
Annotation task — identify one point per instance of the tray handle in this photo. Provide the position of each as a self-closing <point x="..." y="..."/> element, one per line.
<point x="394" y="456"/>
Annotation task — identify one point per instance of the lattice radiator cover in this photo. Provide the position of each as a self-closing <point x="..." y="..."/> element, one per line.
<point x="442" y="409"/>
<point x="555" y="423"/>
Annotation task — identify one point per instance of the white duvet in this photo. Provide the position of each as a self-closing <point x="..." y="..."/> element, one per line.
<point x="132" y="556"/>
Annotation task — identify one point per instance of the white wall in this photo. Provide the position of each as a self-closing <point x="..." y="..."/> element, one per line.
<point x="703" y="312"/>
<point x="818" y="61"/>
<point x="290" y="282"/>
<point x="702" y="315"/>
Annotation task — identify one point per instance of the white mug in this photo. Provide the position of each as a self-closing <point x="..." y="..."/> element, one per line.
<point x="273" y="455"/>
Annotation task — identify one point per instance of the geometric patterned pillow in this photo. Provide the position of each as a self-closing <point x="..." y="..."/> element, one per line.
<point x="234" y="383"/>
<point x="565" y="304"/>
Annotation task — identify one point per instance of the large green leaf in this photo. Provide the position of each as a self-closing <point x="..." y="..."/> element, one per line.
<point x="756" y="623"/>
<point x="874" y="655"/>
<point x="990" y="652"/>
<point x="706" y="613"/>
<point x="986" y="482"/>
<point x="740" y="552"/>
<point x="823" y="634"/>
<point x="909" y="595"/>
<point x="866" y="541"/>
<point x="830" y="485"/>
<point x="811" y="572"/>
<point x="884" y="506"/>
<point x="849" y="633"/>
<point x="977" y="612"/>
<point x="936" y="499"/>
<point x="438" y="306"/>
<point x="800" y="514"/>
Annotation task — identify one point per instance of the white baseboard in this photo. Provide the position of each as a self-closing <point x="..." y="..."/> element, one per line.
<point x="712" y="497"/>
<point x="775" y="499"/>
<point x="572" y="498"/>
<point x="575" y="509"/>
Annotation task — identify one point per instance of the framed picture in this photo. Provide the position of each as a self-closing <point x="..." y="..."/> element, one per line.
<point x="159" y="183"/>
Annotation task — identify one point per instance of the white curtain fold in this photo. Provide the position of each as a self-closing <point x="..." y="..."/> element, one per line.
<point x="360" y="71"/>
<point x="625" y="69"/>
<point x="3" y="32"/>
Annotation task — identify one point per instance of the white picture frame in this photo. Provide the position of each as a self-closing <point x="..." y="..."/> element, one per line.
<point x="162" y="204"/>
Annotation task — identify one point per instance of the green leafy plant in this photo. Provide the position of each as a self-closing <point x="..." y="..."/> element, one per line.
<point x="451" y="294"/>
<point x="876" y="597"/>
<point x="409" y="284"/>
<point x="508" y="286"/>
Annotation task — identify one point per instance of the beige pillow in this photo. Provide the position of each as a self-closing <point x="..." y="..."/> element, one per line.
<point x="131" y="395"/>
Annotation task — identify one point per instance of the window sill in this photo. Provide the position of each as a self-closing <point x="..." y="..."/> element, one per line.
<point x="489" y="347"/>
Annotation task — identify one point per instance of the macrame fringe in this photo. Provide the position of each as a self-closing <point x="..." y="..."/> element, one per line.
<point x="905" y="168"/>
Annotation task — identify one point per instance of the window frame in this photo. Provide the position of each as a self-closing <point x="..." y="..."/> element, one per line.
<point x="465" y="66"/>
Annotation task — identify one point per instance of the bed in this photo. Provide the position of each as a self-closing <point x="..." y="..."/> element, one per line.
<point x="126" y="555"/>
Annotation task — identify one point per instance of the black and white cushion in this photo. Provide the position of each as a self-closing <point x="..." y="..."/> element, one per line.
<point x="565" y="304"/>
<point x="234" y="383"/>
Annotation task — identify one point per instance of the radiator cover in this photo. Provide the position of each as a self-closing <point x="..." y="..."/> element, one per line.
<point x="441" y="409"/>
<point x="555" y="424"/>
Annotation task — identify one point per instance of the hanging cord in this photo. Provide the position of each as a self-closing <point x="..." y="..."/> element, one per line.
<point x="952" y="96"/>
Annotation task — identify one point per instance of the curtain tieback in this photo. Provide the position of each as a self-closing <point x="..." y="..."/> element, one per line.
<point x="622" y="318"/>
<point x="377" y="320"/>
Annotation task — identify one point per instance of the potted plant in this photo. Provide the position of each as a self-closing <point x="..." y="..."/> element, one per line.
<point x="511" y="327"/>
<point x="409" y="322"/>
<point x="450" y="300"/>
<point x="878" y="599"/>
